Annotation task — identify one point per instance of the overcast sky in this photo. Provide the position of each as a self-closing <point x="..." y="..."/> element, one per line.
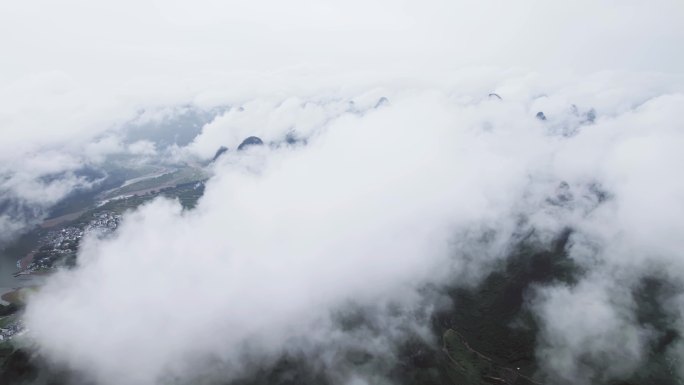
<point x="73" y="68"/>
<point x="124" y="40"/>
<point x="380" y="202"/>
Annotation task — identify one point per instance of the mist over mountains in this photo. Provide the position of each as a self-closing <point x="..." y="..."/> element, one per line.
<point x="376" y="207"/>
<point x="327" y="193"/>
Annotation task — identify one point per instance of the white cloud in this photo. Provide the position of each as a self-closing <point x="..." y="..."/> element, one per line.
<point x="373" y="207"/>
<point x="589" y="333"/>
<point x="379" y="201"/>
<point x="142" y="147"/>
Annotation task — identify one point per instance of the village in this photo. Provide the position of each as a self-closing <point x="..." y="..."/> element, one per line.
<point x="59" y="247"/>
<point x="11" y="330"/>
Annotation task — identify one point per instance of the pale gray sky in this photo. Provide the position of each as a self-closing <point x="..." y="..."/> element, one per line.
<point x="377" y="204"/>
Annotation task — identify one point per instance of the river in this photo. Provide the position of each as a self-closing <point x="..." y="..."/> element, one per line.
<point x="8" y="282"/>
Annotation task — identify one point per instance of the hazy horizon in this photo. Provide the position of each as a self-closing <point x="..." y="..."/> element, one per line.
<point x="406" y="151"/>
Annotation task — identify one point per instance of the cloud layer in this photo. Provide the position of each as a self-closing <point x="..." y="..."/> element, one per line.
<point x="378" y="203"/>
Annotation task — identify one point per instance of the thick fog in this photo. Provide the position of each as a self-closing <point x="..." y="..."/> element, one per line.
<point x="419" y="159"/>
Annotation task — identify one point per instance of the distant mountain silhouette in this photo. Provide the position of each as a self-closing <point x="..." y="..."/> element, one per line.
<point x="222" y="150"/>
<point x="383" y="101"/>
<point x="251" y="141"/>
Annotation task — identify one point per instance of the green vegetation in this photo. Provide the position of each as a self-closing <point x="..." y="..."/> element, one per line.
<point x="114" y="176"/>
<point x="188" y="195"/>
<point x="468" y="366"/>
<point x="488" y="337"/>
<point x="492" y="316"/>
<point x="179" y="177"/>
<point x="4" y="321"/>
